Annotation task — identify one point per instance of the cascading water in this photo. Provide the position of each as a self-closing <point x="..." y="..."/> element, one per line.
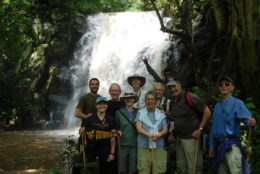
<point x="111" y="50"/>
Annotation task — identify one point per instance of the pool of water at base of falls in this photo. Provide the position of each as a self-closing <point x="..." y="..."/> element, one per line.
<point x="23" y="152"/>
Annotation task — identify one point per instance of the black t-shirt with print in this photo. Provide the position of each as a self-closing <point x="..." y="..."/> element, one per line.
<point x="94" y="123"/>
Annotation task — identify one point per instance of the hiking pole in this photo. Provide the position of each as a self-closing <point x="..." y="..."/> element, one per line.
<point x="152" y="157"/>
<point x="248" y="149"/>
<point x="83" y="147"/>
<point x="119" y="149"/>
<point x="196" y="156"/>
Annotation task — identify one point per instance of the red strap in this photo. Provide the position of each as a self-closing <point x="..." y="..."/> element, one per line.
<point x="188" y="99"/>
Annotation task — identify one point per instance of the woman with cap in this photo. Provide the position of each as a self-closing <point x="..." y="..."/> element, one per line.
<point x="103" y="148"/>
<point x="137" y="82"/>
<point x="125" y="118"/>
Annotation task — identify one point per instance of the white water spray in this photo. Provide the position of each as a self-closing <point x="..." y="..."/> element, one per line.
<point x="111" y="50"/>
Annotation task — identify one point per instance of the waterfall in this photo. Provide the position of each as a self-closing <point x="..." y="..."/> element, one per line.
<point x="111" y="50"/>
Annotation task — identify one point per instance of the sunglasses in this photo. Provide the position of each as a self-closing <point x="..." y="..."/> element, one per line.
<point x="225" y="83"/>
<point x="101" y="99"/>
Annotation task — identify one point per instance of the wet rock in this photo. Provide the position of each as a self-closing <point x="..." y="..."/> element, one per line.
<point x="52" y="124"/>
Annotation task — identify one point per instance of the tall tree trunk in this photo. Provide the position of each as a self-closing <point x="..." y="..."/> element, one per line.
<point x="237" y="23"/>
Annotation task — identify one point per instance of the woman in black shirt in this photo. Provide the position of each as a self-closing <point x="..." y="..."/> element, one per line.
<point x="103" y="148"/>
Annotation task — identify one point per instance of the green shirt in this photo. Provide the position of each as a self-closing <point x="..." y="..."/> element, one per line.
<point x="129" y="133"/>
<point x="87" y="103"/>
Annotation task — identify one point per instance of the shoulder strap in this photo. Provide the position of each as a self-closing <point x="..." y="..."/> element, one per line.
<point x="191" y="105"/>
<point x="189" y="101"/>
<point x="127" y="119"/>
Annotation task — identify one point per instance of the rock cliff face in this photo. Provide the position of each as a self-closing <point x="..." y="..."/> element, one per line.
<point x="181" y="62"/>
<point x="53" y="49"/>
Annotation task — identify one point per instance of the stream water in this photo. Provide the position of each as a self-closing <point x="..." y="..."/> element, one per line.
<point x="23" y="152"/>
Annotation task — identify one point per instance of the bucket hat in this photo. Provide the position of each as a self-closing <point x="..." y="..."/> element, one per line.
<point x="130" y="79"/>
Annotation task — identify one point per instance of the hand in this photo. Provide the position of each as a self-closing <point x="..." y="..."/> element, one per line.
<point x="162" y="111"/>
<point x="111" y="157"/>
<point x="211" y="153"/>
<point x="152" y="136"/>
<point x="120" y="133"/>
<point x="252" y="121"/>
<point x="88" y="115"/>
<point x="81" y="131"/>
<point x="196" y="133"/>
<point x="156" y="136"/>
<point x="145" y="60"/>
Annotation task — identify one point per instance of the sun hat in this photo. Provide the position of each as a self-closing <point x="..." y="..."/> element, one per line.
<point x="129" y="95"/>
<point x="130" y="79"/>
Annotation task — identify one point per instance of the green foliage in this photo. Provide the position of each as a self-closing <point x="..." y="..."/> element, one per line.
<point x="96" y="6"/>
<point x="15" y="79"/>
<point x="70" y="152"/>
<point x="254" y="150"/>
<point x="216" y="60"/>
<point x="70" y="155"/>
<point x="55" y="171"/>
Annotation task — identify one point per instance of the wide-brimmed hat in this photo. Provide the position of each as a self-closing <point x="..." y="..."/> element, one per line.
<point x="129" y="95"/>
<point x="220" y="79"/>
<point x="172" y="82"/>
<point x="101" y="99"/>
<point x="142" y="79"/>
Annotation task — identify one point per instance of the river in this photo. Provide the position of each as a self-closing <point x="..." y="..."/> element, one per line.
<point x="23" y="152"/>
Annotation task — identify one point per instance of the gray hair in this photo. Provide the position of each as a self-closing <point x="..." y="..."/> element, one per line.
<point x="156" y="84"/>
<point x="150" y="93"/>
<point x="116" y="84"/>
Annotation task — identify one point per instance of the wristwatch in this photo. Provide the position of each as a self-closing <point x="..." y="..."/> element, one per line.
<point x="201" y="129"/>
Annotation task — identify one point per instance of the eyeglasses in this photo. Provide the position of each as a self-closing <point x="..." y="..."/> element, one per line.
<point x="225" y="83"/>
<point x="101" y="99"/>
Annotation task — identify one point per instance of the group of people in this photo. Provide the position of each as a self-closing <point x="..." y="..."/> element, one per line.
<point x="144" y="121"/>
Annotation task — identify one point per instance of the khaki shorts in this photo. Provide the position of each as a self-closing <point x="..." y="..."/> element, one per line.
<point x="151" y="161"/>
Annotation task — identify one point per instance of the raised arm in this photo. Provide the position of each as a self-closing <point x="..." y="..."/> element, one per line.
<point x="156" y="77"/>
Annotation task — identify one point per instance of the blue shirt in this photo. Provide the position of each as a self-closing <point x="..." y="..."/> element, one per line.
<point x="130" y="114"/>
<point x="227" y="117"/>
<point x="142" y="140"/>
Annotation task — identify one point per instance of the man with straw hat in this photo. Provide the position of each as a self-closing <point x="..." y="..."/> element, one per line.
<point x="137" y="81"/>
<point x="151" y="126"/>
<point x="225" y="146"/>
<point x="190" y="115"/>
<point x="127" y="142"/>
